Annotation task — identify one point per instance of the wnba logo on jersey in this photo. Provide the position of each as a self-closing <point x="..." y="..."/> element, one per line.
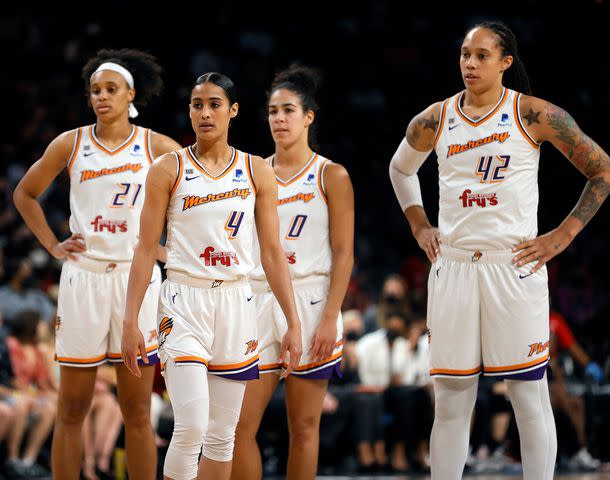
<point x="470" y="199"/>
<point x="111" y="226"/>
<point x="211" y="258"/>
<point x="165" y="328"/>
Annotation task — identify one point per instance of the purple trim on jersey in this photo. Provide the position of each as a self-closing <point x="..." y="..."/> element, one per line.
<point x="249" y="374"/>
<point x="535" y="374"/>
<point x="153" y="358"/>
<point x="322" y="374"/>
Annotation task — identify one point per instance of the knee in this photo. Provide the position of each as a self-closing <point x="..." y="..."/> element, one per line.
<point x="304" y="430"/>
<point x="136" y="414"/>
<point x="72" y="410"/>
<point x="190" y="424"/>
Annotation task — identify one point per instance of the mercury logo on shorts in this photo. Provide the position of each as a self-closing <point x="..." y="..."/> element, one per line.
<point x="538" y="347"/>
<point x="251" y="346"/>
<point x="211" y="258"/>
<point x="470" y="199"/>
<point x="291" y="257"/>
<point x="165" y="328"/>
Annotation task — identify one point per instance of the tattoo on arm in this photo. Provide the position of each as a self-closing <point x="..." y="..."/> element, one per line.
<point x="532" y="117"/>
<point x="587" y="156"/>
<point x="418" y="124"/>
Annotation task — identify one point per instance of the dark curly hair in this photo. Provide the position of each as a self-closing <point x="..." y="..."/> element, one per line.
<point x="143" y="67"/>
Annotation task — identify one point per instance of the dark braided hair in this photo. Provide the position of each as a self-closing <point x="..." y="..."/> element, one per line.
<point x="304" y="82"/>
<point x="143" y="67"/>
<point x="507" y="41"/>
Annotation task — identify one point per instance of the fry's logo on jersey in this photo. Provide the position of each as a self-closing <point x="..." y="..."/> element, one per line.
<point x="91" y="174"/>
<point x="191" y="201"/>
<point x="538" y="348"/>
<point x="470" y="144"/>
<point x="306" y="197"/>
<point x="211" y="258"/>
<point x="480" y="199"/>
<point x="111" y="226"/>
<point x="251" y="346"/>
<point x="291" y="257"/>
<point x="165" y="328"/>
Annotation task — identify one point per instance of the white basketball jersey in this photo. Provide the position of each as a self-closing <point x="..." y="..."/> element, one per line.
<point x="304" y="229"/>
<point x="210" y="220"/>
<point x="107" y="192"/>
<point x="488" y="176"/>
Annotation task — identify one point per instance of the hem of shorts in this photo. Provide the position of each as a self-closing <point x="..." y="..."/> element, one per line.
<point x="456" y="375"/>
<point x="153" y="358"/>
<point x="324" y="373"/>
<point x="83" y="365"/>
<point x="250" y="373"/>
<point x="531" y="374"/>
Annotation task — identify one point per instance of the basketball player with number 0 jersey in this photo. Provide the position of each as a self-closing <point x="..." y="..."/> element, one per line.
<point x="487" y="289"/>
<point x="107" y="164"/>
<point x="316" y="210"/>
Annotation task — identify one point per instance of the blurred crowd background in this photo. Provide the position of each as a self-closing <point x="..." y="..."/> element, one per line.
<point x="381" y="64"/>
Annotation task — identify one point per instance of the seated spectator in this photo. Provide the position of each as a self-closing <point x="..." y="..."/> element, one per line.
<point x="393" y="297"/>
<point x="21" y="294"/>
<point x="35" y="396"/>
<point x="7" y="407"/>
<point x="101" y="426"/>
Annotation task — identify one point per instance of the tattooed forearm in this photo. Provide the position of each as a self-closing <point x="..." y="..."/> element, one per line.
<point x="532" y="117"/>
<point x="595" y="192"/>
<point x="583" y="152"/>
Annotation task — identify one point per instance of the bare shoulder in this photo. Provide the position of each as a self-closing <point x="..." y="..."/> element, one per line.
<point x="162" y="144"/>
<point x="423" y="127"/>
<point x="335" y="171"/>
<point x="262" y="164"/>
<point x="545" y="120"/>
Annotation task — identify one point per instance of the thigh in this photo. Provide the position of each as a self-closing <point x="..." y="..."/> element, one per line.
<point x="257" y="397"/>
<point x="75" y="390"/>
<point x="454" y="319"/>
<point x="514" y="321"/>
<point x="134" y="393"/>
<point x="304" y="399"/>
<point x="147" y="318"/>
<point x="83" y="318"/>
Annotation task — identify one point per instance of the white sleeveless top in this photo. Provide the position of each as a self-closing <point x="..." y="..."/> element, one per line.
<point x="304" y="228"/>
<point x="107" y="192"/>
<point x="488" y="176"/>
<point x="210" y="220"/>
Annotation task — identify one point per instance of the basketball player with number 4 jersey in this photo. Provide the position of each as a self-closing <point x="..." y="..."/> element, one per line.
<point x="211" y="196"/>
<point x="107" y="164"/>
<point x="316" y="210"/>
<point x="487" y="290"/>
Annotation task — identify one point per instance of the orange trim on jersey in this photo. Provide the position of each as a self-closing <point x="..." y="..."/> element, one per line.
<point x="522" y="129"/>
<point x="179" y="176"/>
<point x="234" y="366"/>
<point x="79" y="136"/>
<point x="191" y="358"/>
<point x="446" y="371"/>
<point x="148" y="350"/>
<point x="317" y="364"/>
<point x="320" y="187"/>
<point x="441" y="123"/>
<point x="82" y="360"/>
<point x="520" y="366"/>
<point x="269" y="367"/>
<point x="201" y="168"/>
<point x="147" y="145"/>
<point x="290" y="181"/>
<point x="128" y="142"/>
<point x="487" y="116"/>
<point x="250" y="172"/>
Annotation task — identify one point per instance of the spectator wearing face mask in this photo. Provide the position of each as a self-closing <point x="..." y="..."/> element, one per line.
<point x="394" y="296"/>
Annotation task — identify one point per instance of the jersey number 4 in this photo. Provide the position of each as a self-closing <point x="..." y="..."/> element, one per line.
<point x="491" y="168"/>
<point x="233" y="223"/>
<point x="127" y="196"/>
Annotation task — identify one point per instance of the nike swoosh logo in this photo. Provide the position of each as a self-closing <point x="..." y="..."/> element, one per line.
<point x="525" y="276"/>
<point x="152" y="281"/>
<point x="174" y="298"/>
<point x="451" y="128"/>
<point x="313" y="303"/>
<point x="188" y="179"/>
<point x="249" y="298"/>
<point x="87" y="154"/>
<point x="438" y="270"/>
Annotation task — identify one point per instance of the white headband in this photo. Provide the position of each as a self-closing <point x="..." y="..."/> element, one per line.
<point x="115" y="67"/>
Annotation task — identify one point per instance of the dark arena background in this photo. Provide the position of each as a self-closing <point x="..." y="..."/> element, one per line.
<point x="381" y="64"/>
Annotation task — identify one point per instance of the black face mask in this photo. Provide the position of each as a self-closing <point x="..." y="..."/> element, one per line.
<point x="390" y="299"/>
<point x="392" y="334"/>
<point x="28" y="282"/>
<point x="352" y="336"/>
